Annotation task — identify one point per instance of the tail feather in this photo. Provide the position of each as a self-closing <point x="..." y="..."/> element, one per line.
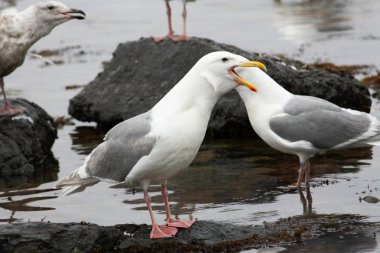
<point x="74" y="183"/>
<point x="375" y="140"/>
<point x="76" y="188"/>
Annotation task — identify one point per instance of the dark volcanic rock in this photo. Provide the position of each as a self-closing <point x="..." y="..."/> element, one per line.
<point x="25" y="142"/>
<point x="204" y="236"/>
<point x="142" y="72"/>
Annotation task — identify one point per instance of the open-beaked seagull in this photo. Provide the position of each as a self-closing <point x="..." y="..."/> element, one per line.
<point x="154" y="146"/>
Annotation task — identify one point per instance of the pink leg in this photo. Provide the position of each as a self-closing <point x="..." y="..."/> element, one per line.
<point x="157" y="230"/>
<point x="301" y="173"/>
<point x="170" y="34"/>
<point x="307" y="172"/>
<point x="7" y="108"/>
<point x="169" y="14"/>
<point x="184" y="15"/>
<point x="169" y="220"/>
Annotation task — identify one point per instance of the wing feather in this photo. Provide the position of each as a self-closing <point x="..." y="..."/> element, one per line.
<point x="319" y="122"/>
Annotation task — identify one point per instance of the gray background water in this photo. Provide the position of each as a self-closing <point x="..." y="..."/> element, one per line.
<point x="241" y="184"/>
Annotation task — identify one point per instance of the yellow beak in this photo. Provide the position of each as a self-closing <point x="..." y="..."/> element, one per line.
<point x="253" y="64"/>
<point x="249" y="64"/>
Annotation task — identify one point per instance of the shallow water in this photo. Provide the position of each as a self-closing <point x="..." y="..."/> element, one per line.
<point x="233" y="181"/>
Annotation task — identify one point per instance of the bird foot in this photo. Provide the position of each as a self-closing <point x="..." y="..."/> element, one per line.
<point x="172" y="37"/>
<point x="180" y="223"/>
<point x="162" y="232"/>
<point x="11" y="110"/>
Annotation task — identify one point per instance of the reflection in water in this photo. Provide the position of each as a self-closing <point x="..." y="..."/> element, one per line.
<point x="7" y="202"/>
<point x="251" y="172"/>
<point x="306" y="201"/>
<point x="347" y="242"/>
<point x="86" y="138"/>
<point x="306" y="21"/>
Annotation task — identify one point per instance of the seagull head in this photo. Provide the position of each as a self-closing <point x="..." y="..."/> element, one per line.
<point x="221" y="69"/>
<point x="54" y="13"/>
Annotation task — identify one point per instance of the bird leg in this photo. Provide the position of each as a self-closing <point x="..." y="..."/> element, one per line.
<point x="184" y="15"/>
<point x="7" y="108"/>
<point x="307" y="172"/>
<point x="169" y="219"/>
<point x="170" y="34"/>
<point x="157" y="230"/>
<point x="301" y="173"/>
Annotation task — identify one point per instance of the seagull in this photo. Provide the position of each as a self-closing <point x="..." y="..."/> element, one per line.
<point x="20" y="30"/>
<point x="303" y="125"/>
<point x="155" y="145"/>
<point x="170" y="34"/>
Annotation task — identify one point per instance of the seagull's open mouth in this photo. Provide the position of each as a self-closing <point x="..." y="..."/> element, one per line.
<point x="239" y="80"/>
<point x="73" y="13"/>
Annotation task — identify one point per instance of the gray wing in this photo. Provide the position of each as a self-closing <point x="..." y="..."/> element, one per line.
<point x="124" y="145"/>
<point x="319" y="122"/>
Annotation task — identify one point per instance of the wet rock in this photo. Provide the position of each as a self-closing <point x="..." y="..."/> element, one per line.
<point x="25" y="142"/>
<point x="141" y="72"/>
<point x="204" y="236"/>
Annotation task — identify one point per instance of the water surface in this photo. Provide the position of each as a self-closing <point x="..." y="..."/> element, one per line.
<point x="238" y="181"/>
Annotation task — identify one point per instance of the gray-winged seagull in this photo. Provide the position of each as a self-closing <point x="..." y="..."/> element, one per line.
<point x="303" y="125"/>
<point x="157" y="144"/>
<point x="20" y="30"/>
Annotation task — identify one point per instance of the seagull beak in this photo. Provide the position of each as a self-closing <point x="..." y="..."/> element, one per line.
<point x="74" y="13"/>
<point x="248" y="64"/>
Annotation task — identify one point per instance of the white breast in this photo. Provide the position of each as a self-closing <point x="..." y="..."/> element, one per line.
<point x="179" y="139"/>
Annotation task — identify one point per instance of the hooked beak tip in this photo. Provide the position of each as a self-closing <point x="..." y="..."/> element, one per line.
<point x="76" y="14"/>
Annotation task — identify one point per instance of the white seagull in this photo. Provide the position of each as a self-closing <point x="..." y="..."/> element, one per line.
<point x="303" y="125"/>
<point x="157" y="144"/>
<point x="20" y="30"/>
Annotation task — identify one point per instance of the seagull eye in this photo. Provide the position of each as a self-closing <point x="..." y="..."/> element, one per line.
<point x="224" y="59"/>
<point x="51" y="7"/>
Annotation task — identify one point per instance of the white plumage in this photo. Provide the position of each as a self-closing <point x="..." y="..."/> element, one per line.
<point x="155" y="145"/>
<point x="303" y="125"/>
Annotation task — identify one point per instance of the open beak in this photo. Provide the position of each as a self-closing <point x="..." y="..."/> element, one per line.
<point x="248" y="64"/>
<point x="74" y="13"/>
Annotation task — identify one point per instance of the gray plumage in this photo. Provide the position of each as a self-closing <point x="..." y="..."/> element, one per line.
<point x="319" y="122"/>
<point x="123" y="146"/>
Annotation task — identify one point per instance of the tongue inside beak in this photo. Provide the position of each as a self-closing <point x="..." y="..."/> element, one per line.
<point x="240" y="80"/>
